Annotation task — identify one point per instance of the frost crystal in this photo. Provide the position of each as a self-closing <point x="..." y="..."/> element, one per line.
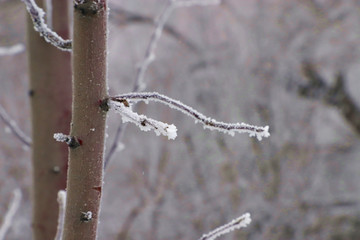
<point x="60" y="137"/>
<point x="142" y="121"/>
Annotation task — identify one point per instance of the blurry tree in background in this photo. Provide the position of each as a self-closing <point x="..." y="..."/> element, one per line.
<point x="248" y="65"/>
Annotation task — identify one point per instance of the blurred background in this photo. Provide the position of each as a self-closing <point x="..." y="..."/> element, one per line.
<point x="290" y="64"/>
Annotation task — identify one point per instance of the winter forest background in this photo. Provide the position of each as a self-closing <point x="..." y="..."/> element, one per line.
<point x="263" y="62"/>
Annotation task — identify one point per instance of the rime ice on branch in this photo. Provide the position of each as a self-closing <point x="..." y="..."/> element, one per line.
<point x="121" y="104"/>
<point x="237" y="223"/>
<point x="37" y="16"/>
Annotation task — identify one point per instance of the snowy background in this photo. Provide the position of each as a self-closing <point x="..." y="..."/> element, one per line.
<point x="236" y="62"/>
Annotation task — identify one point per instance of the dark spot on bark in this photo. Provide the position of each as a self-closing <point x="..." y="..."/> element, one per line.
<point x="31" y="93"/>
<point x="103" y="104"/>
<point x="97" y="189"/>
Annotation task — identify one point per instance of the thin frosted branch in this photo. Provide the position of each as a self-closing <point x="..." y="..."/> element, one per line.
<point x="8" y="219"/>
<point x="143" y="122"/>
<point x="237" y="223"/>
<point x="160" y="23"/>
<point x="209" y="123"/>
<point x="14" y="128"/>
<point x="61" y="198"/>
<point x="37" y="16"/>
<point x="116" y="145"/>
<point x="12" y="50"/>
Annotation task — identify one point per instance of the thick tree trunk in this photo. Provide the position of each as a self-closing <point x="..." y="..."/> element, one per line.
<point x="85" y="175"/>
<point x="50" y="95"/>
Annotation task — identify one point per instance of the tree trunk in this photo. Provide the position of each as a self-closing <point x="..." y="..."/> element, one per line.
<point x="85" y="175"/>
<point x="50" y="95"/>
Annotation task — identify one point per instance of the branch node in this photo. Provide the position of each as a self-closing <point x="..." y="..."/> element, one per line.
<point x="86" y="216"/>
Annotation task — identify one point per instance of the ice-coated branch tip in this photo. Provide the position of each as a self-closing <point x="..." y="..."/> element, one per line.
<point x="8" y="219"/>
<point x="37" y="16"/>
<point x="11" y="50"/>
<point x="71" y="141"/>
<point x="208" y="123"/>
<point x="14" y="128"/>
<point x="235" y="224"/>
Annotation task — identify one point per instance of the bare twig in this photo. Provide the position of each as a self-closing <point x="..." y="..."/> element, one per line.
<point x="162" y="19"/>
<point x="14" y="128"/>
<point x="8" y="219"/>
<point x="37" y="16"/>
<point x="12" y="50"/>
<point x="122" y="17"/>
<point x="62" y="201"/>
<point x="237" y="223"/>
<point x="209" y="123"/>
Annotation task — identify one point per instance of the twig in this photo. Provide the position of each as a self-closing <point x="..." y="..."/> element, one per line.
<point x="14" y="127"/>
<point x="162" y="19"/>
<point x="12" y="50"/>
<point x="208" y="123"/>
<point x="8" y="219"/>
<point x="37" y="16"/>
<point x="237" y="223"/>
<point x="123" y="17"/>
<point x="62" y="201"/>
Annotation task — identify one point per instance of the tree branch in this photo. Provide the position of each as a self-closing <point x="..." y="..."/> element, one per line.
<point x="14" y="128"/>
<point x="139" y="83"/>
<point x="237" y="223"/>
<point x="37" y="16"/>
<point x="8" y="219"/>
<point x="122" y="104"/>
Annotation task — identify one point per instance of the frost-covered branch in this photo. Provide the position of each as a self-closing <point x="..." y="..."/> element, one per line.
<point x="160" y="23"/>
<point x="143" y="122"/>
<point x="37" y="16"/>
<point x="14" y="128"/>
<point x="139" y="84"/>
<point x="12" y="50"/>
<point x="122" y="103"/>
<point x="61" y="198"/>
<point x="237" y="223"/>
<point x="8" y="219"/>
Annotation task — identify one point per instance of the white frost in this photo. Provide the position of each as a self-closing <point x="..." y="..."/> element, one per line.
<point x="143" y="122"/>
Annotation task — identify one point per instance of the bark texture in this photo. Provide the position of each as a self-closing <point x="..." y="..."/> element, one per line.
<point x="50" y="96"/>
<point x="85" y="174"/>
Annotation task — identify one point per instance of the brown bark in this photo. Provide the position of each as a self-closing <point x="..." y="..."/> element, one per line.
<point x="50" y="95"/>
<point x="85" y="175"/>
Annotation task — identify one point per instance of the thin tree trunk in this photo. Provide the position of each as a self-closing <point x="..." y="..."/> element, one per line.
<point x="85" y="175"/>
<point x="50" y="95"/>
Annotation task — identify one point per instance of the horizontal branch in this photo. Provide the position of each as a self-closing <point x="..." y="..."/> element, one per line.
<point x="37" y="16"/>
<point x="209" y="123"/>
<point x="237" y="223"/>
<point x="14" y="128"/>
